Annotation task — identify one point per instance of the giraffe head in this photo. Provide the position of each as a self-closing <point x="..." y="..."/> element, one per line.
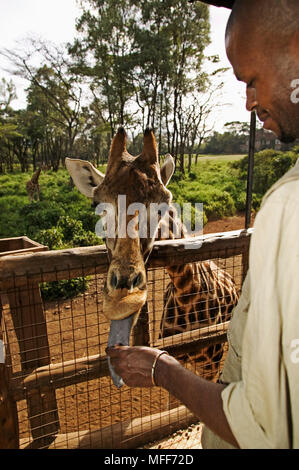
<point x="138" y="180"/>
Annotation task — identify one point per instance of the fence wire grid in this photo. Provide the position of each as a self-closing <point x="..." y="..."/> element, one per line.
<point x="56" y="367"/>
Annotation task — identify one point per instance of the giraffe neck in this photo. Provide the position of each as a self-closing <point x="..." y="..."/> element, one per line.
<point x="199" y="295"/>
<point x="180" y="274"/>
<point x="35" y="177"/>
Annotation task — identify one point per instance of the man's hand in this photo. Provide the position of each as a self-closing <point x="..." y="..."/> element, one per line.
<point x="133" y="364"/>
<point x="202" y="397"/>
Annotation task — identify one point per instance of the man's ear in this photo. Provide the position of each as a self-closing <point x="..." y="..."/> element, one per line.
<point x="85" y="176"/>
<point x="167" y="169"/>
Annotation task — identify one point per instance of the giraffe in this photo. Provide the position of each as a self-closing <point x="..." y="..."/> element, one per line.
<point x="32" y="185"/>
<point x="199" y="295"/>
<point x="211" y="291"/>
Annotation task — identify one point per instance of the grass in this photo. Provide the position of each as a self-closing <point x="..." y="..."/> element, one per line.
<point x="215" y="184"/>
<point x="19" y="217"/>
<point x="64" y="217"/>
<point x="222" y="158"/>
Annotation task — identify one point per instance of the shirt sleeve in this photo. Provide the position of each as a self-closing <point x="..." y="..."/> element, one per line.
<point x="261" y="409"/>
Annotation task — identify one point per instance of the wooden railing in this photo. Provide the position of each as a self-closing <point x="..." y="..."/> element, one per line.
<point x="20" y="277"/>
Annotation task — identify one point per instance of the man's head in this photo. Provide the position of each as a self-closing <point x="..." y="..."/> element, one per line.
<point x="262" y="43"/>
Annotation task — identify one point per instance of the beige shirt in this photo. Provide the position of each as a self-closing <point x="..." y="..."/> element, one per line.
<point x="261" y="402"/>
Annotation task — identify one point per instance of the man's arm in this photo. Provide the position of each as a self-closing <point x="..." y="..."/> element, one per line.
<point x="202" y="397"/>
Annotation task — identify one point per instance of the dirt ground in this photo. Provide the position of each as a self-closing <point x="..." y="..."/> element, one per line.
<point x="77" y="328"/>
<point x="226" y="225"/>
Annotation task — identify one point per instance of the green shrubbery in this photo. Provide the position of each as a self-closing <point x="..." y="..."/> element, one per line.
<point x="269" y="166"/>
<point x="51" y="237"/>
<point x="209" y="183"/>
<point x="221" y="185"/>
<point x="62" y="218"/>
<point x="68" y="232"/>
<point x="64" y="289"/>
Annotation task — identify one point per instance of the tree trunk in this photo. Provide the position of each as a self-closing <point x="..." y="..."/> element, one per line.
<point x="189" y="162"/>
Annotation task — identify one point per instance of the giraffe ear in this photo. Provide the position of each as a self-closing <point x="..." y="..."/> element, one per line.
<point x="167" y="169"/>
<point x="85" y="176"/>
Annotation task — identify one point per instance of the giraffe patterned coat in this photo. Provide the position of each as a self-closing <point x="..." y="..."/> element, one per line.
<point x="261" y="400"/>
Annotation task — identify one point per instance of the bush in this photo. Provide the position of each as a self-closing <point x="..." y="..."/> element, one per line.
<point x="40" y="216"/>
<point x="64" y="289"/>
<point x="51" y="237"/>
<point x="216" y="202"/>
<point x="240" y="201"/>
<point x="177" y="177"/>
<point x="86" y="238"/>
<point x="269" y="166"/>
<point x="220" y="205"/>
<point x="192" y="176"/>
<point x="69" y="227"/>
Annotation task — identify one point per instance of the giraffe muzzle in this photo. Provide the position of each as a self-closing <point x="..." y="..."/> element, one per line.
<point x="120" y="332"/>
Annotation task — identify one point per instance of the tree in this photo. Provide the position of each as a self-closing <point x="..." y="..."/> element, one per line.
<point x="171" y="38"/>
<point x="8" y="127"/>
<point x="55" y="81"/>
<point x="149" y="50"/>
<point x="104" y="53"/>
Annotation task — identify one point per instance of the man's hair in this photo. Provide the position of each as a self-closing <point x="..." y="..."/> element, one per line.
<point x="278" y="17"/>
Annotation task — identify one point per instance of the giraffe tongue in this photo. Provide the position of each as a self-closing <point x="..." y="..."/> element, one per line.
<point x="120" y="331"/>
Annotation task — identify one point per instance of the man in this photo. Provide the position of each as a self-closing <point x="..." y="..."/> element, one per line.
<point x="256" y="405"/>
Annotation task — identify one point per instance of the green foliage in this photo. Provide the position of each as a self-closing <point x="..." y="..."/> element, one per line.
<point x="86" y="238"/>
<point x="51" y="237"/>
<point x="40" y="215"/>
<point x="211" y="183"/>
<point x="269" y="166"/>
<point x="64" y="289"/>
<point x="69" y="227"/>
<point x="68" y="232"/>
<point x="46" y="221"/>
<point x="226" y="143"/>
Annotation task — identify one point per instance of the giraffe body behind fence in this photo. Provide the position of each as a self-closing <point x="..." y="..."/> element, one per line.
<point x="199" y="294"/>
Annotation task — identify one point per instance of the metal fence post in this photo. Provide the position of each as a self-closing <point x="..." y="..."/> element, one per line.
<point x="250" y="169"/>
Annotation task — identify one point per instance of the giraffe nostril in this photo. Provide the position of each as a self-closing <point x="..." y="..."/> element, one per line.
<point x="137" y="280"/>
<point x="113" y="280"/>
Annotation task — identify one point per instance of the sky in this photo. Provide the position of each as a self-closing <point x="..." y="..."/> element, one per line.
<point x="54" y="20"/>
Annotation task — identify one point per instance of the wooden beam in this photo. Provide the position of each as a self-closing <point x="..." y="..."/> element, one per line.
<point x="193" y="340"/>
<point x="75" y="371"/>
<point x="52" y="265"/>
<point x="15" y="271"/>
<point x="28" y="317"/>
<point x="221" y="245"/>
<point x="19" y="245"/>
<point x="126" y="434"/>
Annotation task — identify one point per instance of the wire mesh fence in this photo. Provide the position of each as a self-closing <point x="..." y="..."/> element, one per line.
<point x="56" y="369"/>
